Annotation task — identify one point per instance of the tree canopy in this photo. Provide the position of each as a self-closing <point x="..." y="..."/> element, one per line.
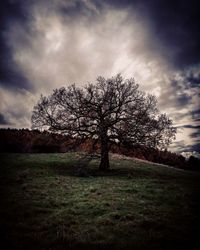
<point x="108" y="110"/>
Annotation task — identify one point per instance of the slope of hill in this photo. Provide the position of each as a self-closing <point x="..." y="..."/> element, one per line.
<point x="62" y="201"/>
<point x="34" y="141"/>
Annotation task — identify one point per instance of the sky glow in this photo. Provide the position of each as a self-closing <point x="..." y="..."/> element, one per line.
<point x="49" y="44"/>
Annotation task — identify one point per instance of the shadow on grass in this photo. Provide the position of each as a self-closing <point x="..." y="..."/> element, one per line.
<point x="79" y="165"/>
<point x="128" y="170"/>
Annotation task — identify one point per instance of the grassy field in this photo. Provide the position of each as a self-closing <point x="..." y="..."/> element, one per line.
<point x="60" y="201"/>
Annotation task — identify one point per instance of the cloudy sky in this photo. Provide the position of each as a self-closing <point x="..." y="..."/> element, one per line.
<point x="45" y="44"/>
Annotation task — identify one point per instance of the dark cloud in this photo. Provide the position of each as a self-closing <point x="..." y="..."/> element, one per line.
<point x="196" y="115"/>
<point x="175" y="93"/>
<point x="10" y="74"/>
<point x="195" y="147"/>
<point x="190" y="126"/>
<point x="76" y="8"/>
<point x="193" y="80"/>
<point x="183" y="99"/>
<point x="175" y="24"/>
<point x="3" y="120"/>
<point x="11" y="12"/>
<point x="195" y="134"/>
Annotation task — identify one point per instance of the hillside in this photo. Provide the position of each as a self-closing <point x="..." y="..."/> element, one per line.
<point x="62" y="201"/>
<point x="35" y="141"/>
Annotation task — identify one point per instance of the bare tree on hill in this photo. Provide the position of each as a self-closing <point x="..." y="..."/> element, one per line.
<point x="108" y="110"/>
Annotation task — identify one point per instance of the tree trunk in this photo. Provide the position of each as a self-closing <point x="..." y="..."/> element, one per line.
<point x="104" y="164"/>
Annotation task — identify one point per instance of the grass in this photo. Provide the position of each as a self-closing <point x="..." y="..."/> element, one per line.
<point x="47" y="203"/>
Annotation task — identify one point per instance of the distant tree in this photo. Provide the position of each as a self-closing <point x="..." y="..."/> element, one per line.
<point x="193" y="163"/>
<point x="108" y="110"/>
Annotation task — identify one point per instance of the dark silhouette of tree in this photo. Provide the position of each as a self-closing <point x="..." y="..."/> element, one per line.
<point x="193" y="163"/>
<point x="109" y="110"/>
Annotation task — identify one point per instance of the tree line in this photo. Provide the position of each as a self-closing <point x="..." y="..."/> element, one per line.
<point x="35" y="141"/>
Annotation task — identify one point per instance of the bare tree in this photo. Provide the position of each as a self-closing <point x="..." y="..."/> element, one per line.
<point x="108" y="110"/>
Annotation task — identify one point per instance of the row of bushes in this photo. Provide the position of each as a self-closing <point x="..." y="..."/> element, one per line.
<point x="34" y="141"/>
